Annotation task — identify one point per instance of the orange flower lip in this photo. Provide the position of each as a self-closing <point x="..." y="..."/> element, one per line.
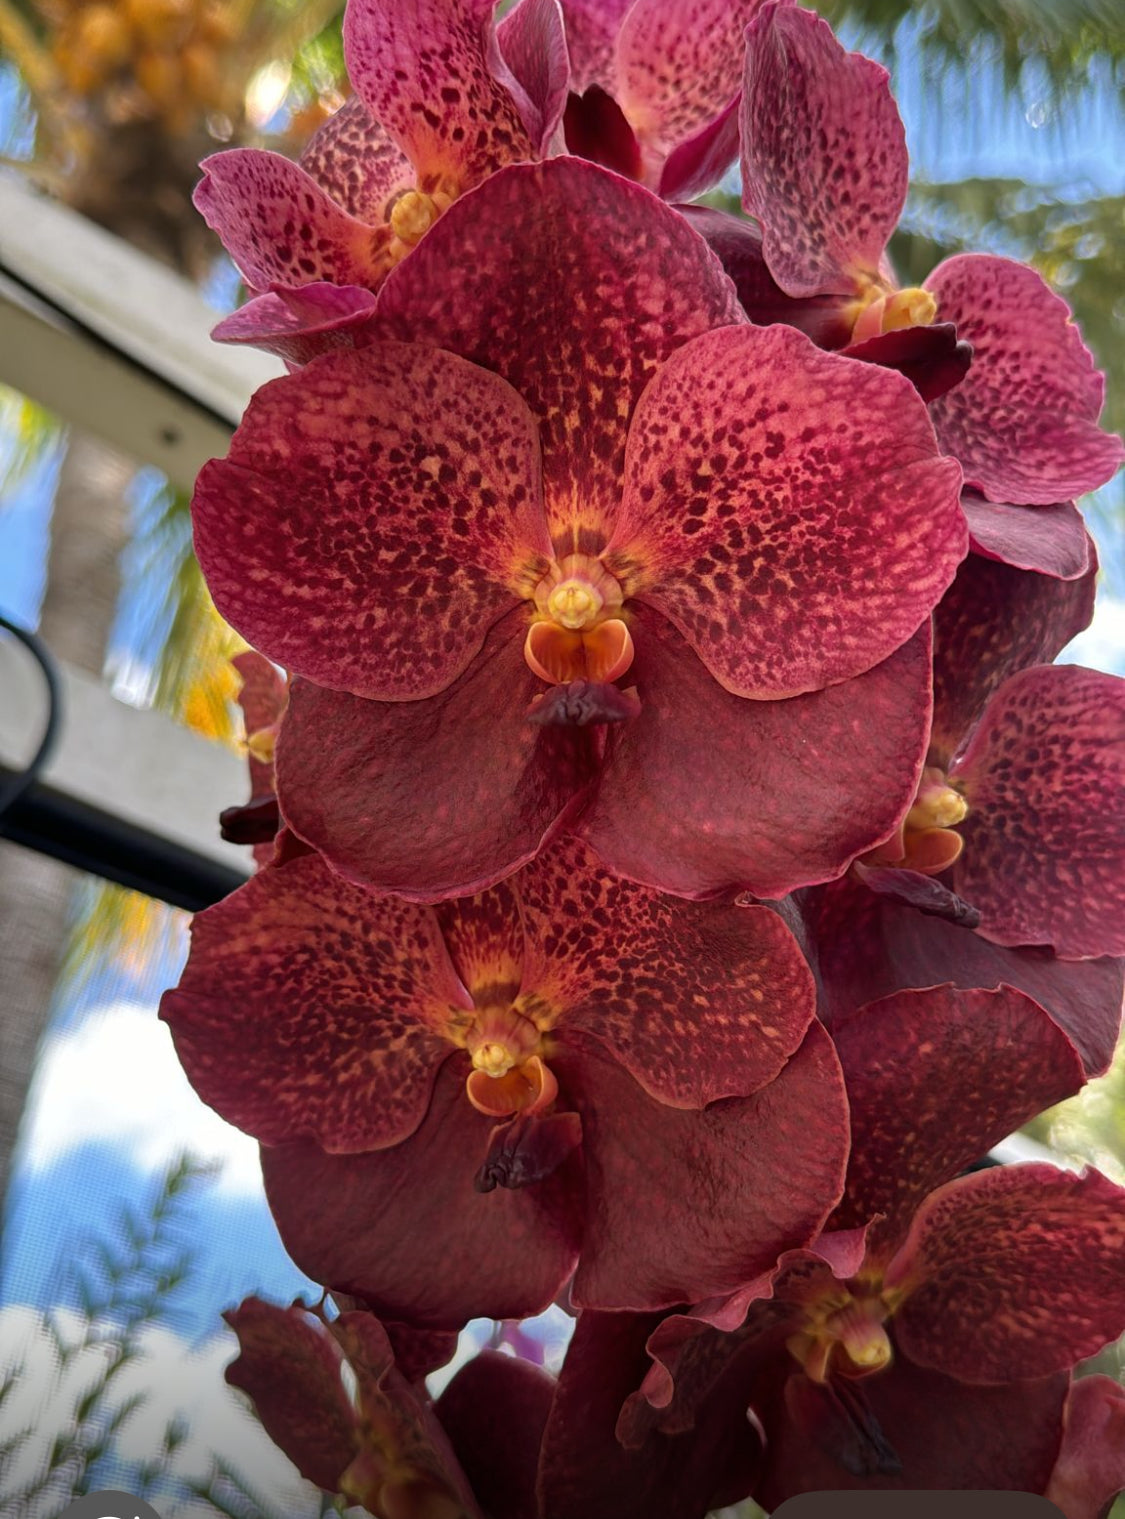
<point x="578" y="634"/>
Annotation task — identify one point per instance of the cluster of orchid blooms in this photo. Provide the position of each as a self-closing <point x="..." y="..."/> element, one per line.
<point x="680" y="860"/>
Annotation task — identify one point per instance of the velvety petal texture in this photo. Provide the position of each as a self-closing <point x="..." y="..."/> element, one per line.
<point x="1044" y="854"/>
<point x="1023" y="424"/>
<point x="310" y="1007"/>
<point x="366" y="486"/>
<point x="1012" y="1273"/>
<point x="824" y="162"/>
<point x="1050" y="539"/>
<point x="811" y="542"/>
<point x="1090" y="1471"/>
<point x="299" y="325"/>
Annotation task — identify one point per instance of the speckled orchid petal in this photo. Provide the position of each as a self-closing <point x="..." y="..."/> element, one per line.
<point x="813" y="540"/>
<point x="698" y="1001"/>
<point x="311" y="1008"/>
<point x="406" y="1230"/>
<point x="289" y="1366"/>
<point x="994" y="620"/>
<point x="1050" y="539"/>
<point x="281" y="228"/>
<point x="679" y="65"/>
<point x="591" y="32"/>
<point x="485" y="939"/>
<point x="584" y="360"/>
<point x="1024" y="423"/>
<point x="1012" y="1273"/>
<point x="355" y="161"/>
<point x="262" y="696"/>
<point x="935" y="1078"/>
<point x="376" y="514"/>
<point x="435" y="798"/>
<point x="1090" y="1471"/>
<point x="299" y="325"/>
<point x="943" y="1434"/>
<point x="770" y="1166"/>
<point x="431" y="74"/>
<point x="868" y="947"/>
<point x="532" y="41"/>
<point x="1043" y="773"/>
<point x="846" y="760"/>
<point x="824" y="162"/>
<point x="494" y="1412"/>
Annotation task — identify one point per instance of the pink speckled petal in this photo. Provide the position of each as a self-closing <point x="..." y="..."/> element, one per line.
<point x="439" y="797"/>
<point x="532" y="40"/>
<point x="935" y="1078"/>
<point x="431" y="74"/>
<point x="824" y="163"/>
<point x="299" y="325"/>
<point x="794" y="790"/>
<point x="1012" y="1273"/>
<point x="1051" y="540"/>
<point x="678" y="64"/>
<point x="698" y="164"/>
<point x="698" y="1001"/>
<point x="786" y="509"/>
<point x="617" y="280"/>
<point x="591" y="32"/>
<point x="770" y="1167"/>
<point x="406" y="1230"/>
<point x="377" y="513"/>
<point x="310" y="1007"/>
<point x="353" y="159"/>
<point x="281" y="228"/>
<point x="1044" y="773"/>
<point x="1024" y="422"/>
<point x="994" y="620"/>
<point x="1090" y="1471"/>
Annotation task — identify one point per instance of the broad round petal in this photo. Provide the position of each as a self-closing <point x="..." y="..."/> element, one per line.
<point x="867" y="947"/>
<point x="1050" y="539"/>
<point x="824" y="163"/>
<point x="697" y="1001"/>
<point x="994" y="620"/>
<point x="687" y="1204"/>
<point x="353" y="159"/>
<point x="376" y="514"/>
<point x="1044" y="855"/>
<point x="786" y="509"/>
<point x="1012" y="1273"/>
<point x="312" y="1007"/>
<point x="281" y="228"/>
<point x="406" y="1230"/>
<point x="794" y="790"/>
<point x="433" y="798"/>
<point x="1090" y="1471"/>
<point x="429" y="73"/>
<point x="616" y="281"/>
<point x="1024" y="422"/>
<point x="935" y="1078"/>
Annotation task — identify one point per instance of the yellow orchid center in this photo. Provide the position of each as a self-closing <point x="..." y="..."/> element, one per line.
<point x="413" y="214"/>
<point x="578" y="632"/>
<point x="913" y="307"/>
<point x="878" y="309"/>
<point x="844" y="1335"/>
<point x="926" y="842"/>
<point x="263" y="744"/>
<point x="508" y="1074"/>
<point x="937" y="805"/>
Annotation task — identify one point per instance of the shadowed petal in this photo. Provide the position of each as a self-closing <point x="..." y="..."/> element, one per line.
<point x="688" y="1204"/>
<point x="431" y="75"/>
<point x="406" y="1230"/>
<point x="810" y="542"/>
<point x="312" y="1007"/>
<point x="1014" y="1272"/>
<point x="354" y="160"/>
<point x="935" y="1078"/>
<point x="704" y="790"/>
<point x="376" y="514"/>
<point x="433" y="798"/>
<point x="994" y="620"/>
<point x="1023" y="423"/>
<point x="494" y="1412"/>
<point x="824" y="163"/>
<point x="1090" y="1471"/>
<point x="532" y="40"/>
<point x="299" y="325"/>
<point x="617" y="280"/>
<point x="1050" y="539"/>
<point x="698" y="164"/>
<point x="1044" y="855"/>
<point x="868" y="947"/>
<point x="932" y="358"/>
<point x="281" y="228"/>
<point x="697" y="1000"/>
